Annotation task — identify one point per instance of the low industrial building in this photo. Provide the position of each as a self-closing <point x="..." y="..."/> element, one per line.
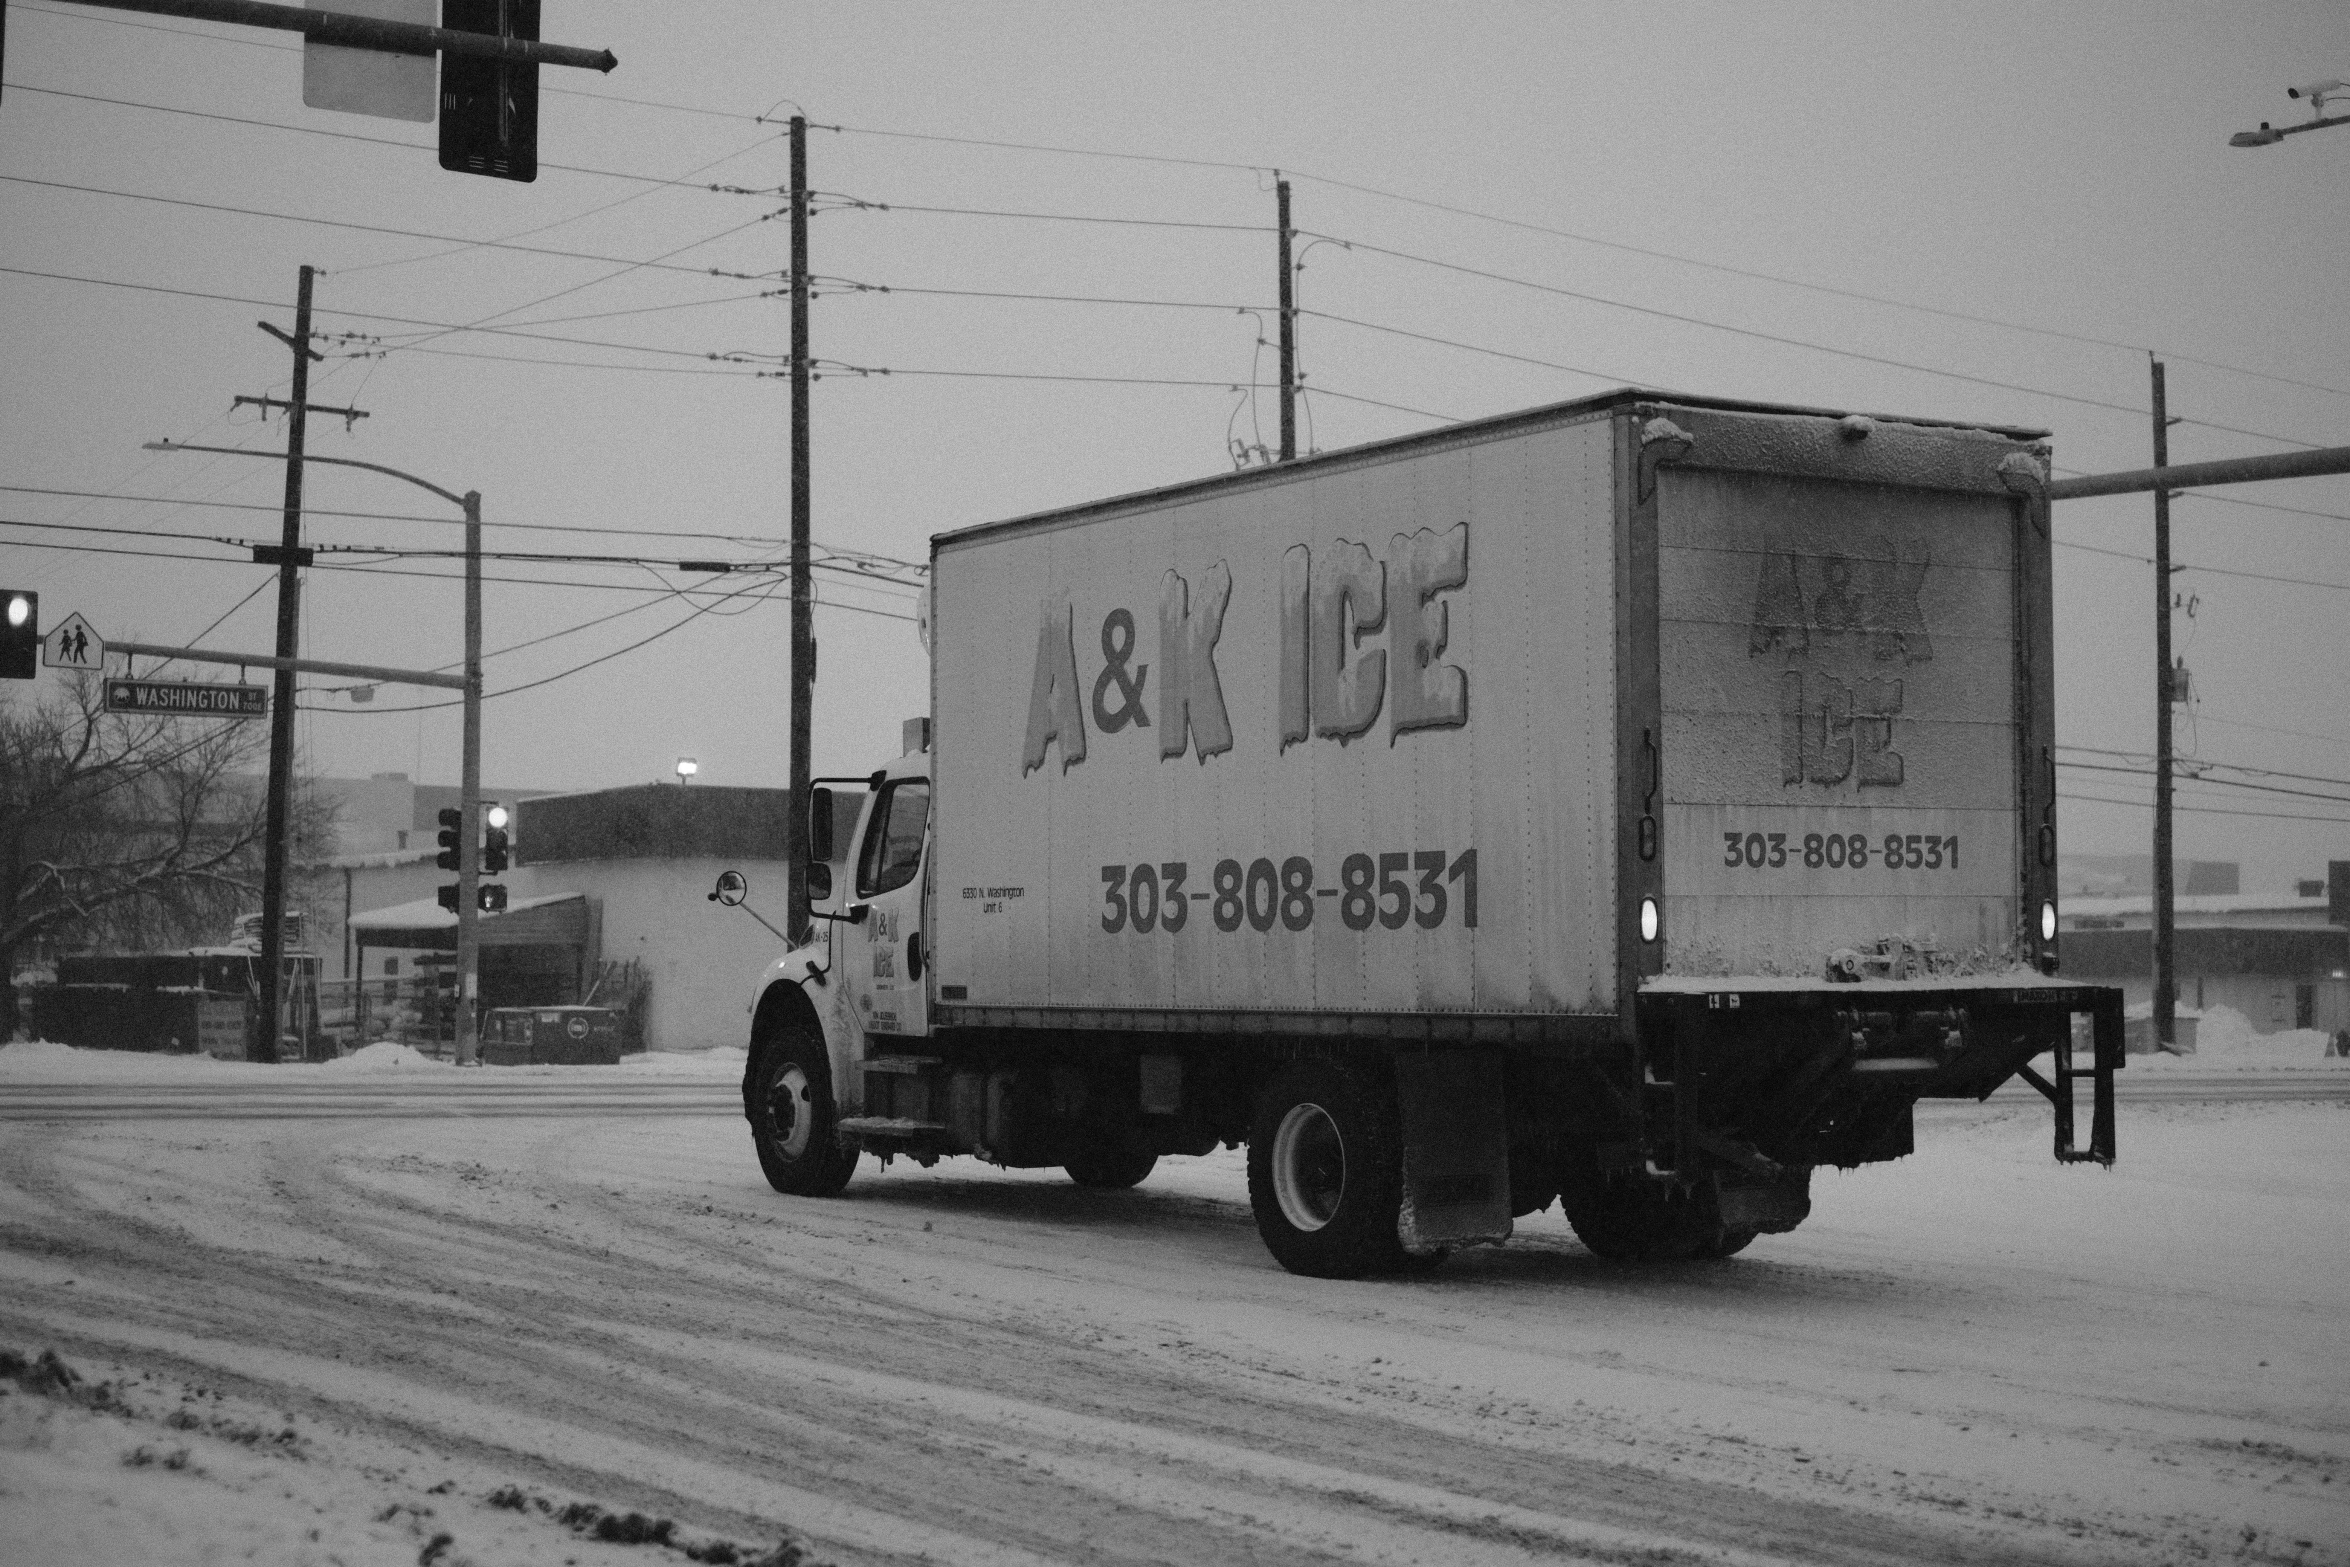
<point x="608" y="904"/>
<point x="2281" y="959"/>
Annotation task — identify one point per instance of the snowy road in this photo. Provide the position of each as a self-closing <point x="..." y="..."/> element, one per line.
<point x="1973" y="1356"/>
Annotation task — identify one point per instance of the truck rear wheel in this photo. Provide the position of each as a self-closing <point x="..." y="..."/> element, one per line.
<point x="1111" y="1167"/>
<point x="1635" y="1220"/>
<point x="787" y="1091"/>
<point x="1325" y="1173"/>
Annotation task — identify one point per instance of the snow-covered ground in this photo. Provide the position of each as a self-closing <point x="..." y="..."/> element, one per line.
<point x="41" y="1061"/>
<point x="1971" y="1355"/>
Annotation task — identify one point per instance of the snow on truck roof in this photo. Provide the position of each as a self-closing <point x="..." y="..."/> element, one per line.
<point x="1489" y="427"/>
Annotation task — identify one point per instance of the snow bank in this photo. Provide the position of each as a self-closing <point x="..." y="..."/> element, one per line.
<point x="43" y="1061"/>
<point x="384" y="1056"/>
<point x="2225" y="1040"/>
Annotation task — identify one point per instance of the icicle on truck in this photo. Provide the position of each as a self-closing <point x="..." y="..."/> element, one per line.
<point x="1634" y="803"/>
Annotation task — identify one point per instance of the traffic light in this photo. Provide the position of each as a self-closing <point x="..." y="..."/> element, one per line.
<point x="452" y="826"/>
<point x="492" y="897"/>
<point x="490" y="108"/>
<point x="494" y="842"/>
<point x="447" y="896"/>
<point x="20" y="634"/>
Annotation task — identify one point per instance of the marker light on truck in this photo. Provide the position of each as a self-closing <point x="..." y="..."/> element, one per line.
<point x="1650" y="920"/>
<point x="2047" y="922"/>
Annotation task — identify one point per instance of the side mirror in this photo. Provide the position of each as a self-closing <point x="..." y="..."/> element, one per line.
<point x="820" y="826"/>
<point x="732" y="888"/>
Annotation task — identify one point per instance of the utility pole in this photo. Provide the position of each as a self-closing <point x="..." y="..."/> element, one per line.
<point x="803" y="609"/>
<point x="262" y="1045"/>
<point x="1288" y="330"/>
<point x="2166" y="990"/>
<point x="469" y="804"/>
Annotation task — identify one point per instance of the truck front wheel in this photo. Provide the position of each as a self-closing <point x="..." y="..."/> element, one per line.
<point x="1325" y="1173"/>
<point x="789" y="1098"/>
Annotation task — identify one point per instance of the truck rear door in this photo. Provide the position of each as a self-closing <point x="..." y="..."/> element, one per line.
<point x="1845" y="692"/>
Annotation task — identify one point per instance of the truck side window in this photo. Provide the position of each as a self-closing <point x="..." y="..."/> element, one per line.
<point x="893" y="848"/>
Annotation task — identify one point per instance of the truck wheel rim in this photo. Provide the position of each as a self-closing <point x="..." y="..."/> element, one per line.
<point x="1309" y="1167"/>
<point x="789" y="1113"/>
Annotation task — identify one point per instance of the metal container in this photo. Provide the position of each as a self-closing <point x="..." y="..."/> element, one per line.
<point x="550" y="1036"/>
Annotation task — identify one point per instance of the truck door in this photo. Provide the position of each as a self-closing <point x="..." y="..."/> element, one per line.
<point x="885" y="955"/>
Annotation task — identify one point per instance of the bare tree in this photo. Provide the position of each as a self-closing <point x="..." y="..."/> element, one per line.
<point x="124" y="831"/>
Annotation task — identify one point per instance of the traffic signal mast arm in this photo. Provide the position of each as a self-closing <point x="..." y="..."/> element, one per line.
<point x="367" y="32"/>
<point x="307" y="666"/>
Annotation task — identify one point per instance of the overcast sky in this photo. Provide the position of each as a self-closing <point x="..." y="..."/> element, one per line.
<point x="2032" y="196"/>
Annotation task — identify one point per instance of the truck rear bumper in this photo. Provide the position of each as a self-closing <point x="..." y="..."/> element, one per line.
<point x="1783" y="1064"/>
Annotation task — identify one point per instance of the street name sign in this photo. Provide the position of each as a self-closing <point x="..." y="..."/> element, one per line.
<point x="369" y="81"/>
<point x="186" y="699"/>
<point x="74" y="645"/>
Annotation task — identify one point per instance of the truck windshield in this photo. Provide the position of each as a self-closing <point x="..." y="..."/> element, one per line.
<point x="893" y="848"/>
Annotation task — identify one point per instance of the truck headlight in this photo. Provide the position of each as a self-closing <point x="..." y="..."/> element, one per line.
<point x="1651" y="920"/>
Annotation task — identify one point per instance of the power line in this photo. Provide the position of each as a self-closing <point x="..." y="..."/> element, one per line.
<point x="532" y="527"/>
<point x="377" y="228"/>
<point x="1593" y="239"/>
<point x="316" y="130"/>
<point x="2209" y="810"/>
<point x="1773" y="337"/>
<point x="2237" y="500"/>
<point x="855" y="579"/>
<point x="391" y="552"/>
<point x="855" y="204"/>
<point x="1117" y="380"/>
<point x="2216" y="571"/>
<point x="2224" y="783"/>
<point x="1446" y="342"/>
<point x="763" y="594"/>
<point x="2186" y="762"/>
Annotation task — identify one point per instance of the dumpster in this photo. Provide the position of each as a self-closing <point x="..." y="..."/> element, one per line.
<point x="550" y="1036"/>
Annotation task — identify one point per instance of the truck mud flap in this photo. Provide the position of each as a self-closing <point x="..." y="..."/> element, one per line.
<point x="1456" y="1156"/>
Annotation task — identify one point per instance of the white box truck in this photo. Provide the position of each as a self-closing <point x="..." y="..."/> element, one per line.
<point x="1633" y="803"/>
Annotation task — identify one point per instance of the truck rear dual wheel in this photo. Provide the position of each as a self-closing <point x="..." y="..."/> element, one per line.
<point x="1634" y="1220"/>
<point x="1111" y="1167"/>
<point x="1325" y="1173"/>
<point x="787" y="1092"/>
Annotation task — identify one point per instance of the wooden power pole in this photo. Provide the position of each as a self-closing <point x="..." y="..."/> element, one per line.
<point x="262" y="1045"/>
<point x="803" y="608"/>
<point x="2166" y="985"/>
<point x="1288" y="330"/>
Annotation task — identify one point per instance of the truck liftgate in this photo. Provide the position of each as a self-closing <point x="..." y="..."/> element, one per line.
<point x="1756" y="1077"/>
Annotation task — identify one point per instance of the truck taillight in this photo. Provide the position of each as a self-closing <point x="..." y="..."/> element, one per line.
<point x="1651" y="921"/>
<point x="2048" y="921"/>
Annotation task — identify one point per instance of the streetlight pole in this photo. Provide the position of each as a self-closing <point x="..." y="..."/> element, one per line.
<point x="469" y="787"/>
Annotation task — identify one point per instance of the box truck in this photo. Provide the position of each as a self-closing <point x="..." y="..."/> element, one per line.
<point x="1634" y="804"/>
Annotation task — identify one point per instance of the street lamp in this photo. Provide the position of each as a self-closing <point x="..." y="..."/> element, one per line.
<point x="2317" y="93"/>
<point x="469" y="830"/>
<point x="686" y="768"/>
